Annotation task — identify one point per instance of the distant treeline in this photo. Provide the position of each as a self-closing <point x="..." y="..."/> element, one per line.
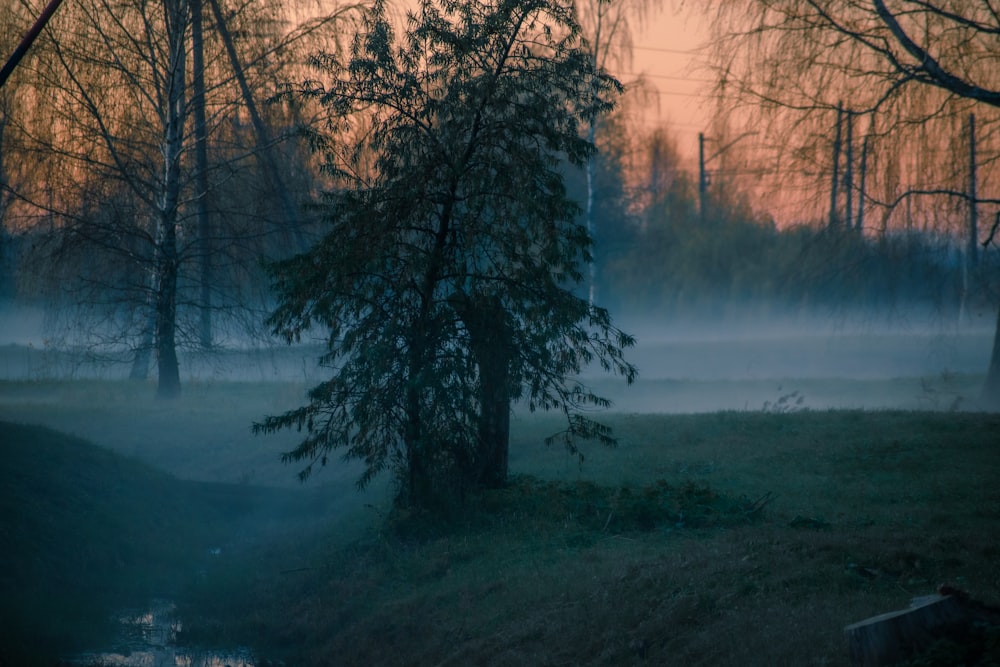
<point x="681" y="267"/>
<point x="658" y="256"/>
<point x="668" y="262"/>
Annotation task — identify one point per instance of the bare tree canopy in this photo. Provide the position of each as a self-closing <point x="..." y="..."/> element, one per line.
<point x="918" y="81"/>
<point x="155" y="197"/>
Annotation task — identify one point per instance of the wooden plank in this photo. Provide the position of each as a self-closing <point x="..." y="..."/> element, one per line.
<point x="889" y="638"/>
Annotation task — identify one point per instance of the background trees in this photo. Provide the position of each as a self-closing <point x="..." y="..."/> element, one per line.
<point x="445" y="275"/>
<point x="917" y="77"/>
<point x="160" y="186"/>
<point x="609" y="27"/>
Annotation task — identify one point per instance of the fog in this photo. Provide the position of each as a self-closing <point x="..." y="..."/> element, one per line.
<point x="779" y="364"/>
<point x="912" y="360"/>
<point x="832" y="360"/>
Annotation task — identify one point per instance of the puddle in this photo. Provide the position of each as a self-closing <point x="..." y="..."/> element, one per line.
<point x="147" y="638"/>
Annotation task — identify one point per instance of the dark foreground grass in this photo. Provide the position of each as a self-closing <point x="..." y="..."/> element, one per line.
<point x="725" y="539"/>
<point x="85" y="531"/>
<point x="735" y="538"/>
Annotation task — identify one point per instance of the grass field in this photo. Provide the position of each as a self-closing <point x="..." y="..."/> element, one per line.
<point x="743" y="537"/>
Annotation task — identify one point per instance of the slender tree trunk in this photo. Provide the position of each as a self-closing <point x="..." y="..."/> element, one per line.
<point x="592" y="266"/>
<point x="144" y="351"/>
<point x="264" y="138"/>
<point x="201" y="175"/>
<point x="169" y="384"/>
<point x="6" y="255"/>
<point x="168" y="370"/>
<point x="973" y="243"/>
<point x="702" y="180"/>
<point x="849" y="172"/>
<point x="862" y="187"/>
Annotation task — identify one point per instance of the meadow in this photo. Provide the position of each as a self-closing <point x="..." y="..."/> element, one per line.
<point x="735" y="537"/>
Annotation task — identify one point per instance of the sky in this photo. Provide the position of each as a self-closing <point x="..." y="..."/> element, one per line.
<point x="670" y="53"/>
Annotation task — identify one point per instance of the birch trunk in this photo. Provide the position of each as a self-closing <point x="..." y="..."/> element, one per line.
<point x="168" y="378"/>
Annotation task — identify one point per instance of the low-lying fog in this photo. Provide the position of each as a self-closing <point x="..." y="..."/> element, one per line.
<point x="903" y="360"/>
<point x="754" y="365"/>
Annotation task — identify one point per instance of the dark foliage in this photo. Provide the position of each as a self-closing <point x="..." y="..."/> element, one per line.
<point x="444" y="282"/>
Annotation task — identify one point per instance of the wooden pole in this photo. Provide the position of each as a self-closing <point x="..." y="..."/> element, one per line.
<point x="28" y="40"/>
<point x="849" y="172"/>
<point x="702" y="180"/>
<point x="836" y="168"/>
<point x="862" y="189"/>
<point x="973" y="250"/>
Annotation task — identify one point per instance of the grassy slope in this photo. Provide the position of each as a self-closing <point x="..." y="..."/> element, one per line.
<point x="869" y="509"/>
<point x="83" y="530"/>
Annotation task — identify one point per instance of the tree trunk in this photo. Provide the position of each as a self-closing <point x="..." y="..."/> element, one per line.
<point x="849" y="172"/>
<point x="991" y="390"/>
<point x="862" y="187"/>
<point x="144" y="351"/>
<point x="201" y="174"/>
<point x="592" y="265"/>
<point x="168" y="371"/>
<point x="169" y="384"/>
<point x="6" y="255"/>
<point x="490" y="340"/>
<point x="834" y="200"/>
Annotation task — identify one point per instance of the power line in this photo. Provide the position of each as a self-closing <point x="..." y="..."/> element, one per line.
<point x="681" y="52"/>
<point x="678" y="93"/>
<point x="668" y="77"/>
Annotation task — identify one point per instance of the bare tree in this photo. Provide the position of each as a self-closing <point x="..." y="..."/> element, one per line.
<point x="138" y="111"/>
<point x="609" y="27"/>
<point x="915" y="69"/>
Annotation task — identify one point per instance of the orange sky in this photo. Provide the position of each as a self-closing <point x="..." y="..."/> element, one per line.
<point x="666" y="51"/>
<point x="669" y="53"/>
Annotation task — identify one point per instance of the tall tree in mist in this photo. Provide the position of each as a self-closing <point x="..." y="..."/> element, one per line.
<point x="609" y="28"/>
<point x="137" y="111"/>
<point x="904" y="66"/>
<point x="445" y="279"/>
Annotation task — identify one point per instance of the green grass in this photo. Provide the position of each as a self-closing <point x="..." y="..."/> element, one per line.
<point x="865" y="511"/>
<point x="733" y="538"/>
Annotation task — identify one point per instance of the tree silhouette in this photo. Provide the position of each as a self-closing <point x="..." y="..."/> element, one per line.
<point x="445" y="279"/>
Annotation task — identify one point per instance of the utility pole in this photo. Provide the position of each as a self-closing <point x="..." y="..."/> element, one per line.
<point x="702" y="179"/>
<point x="970" y="256"/>
<point x="973" y="250"/>
<point x="836" y="169"/>
<point x="862" y="190"/>
<point x="849" y="172"/>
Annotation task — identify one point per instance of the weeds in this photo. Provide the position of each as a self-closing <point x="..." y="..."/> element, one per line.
<point x="942" y="394"/>
<point x="793" y="401"/>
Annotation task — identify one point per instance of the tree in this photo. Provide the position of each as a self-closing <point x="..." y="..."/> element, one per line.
<point x="445" y="278"/>
<point x="608" y="27"/>
<point x="903" y="64"/>
<point x="143" y="241"/>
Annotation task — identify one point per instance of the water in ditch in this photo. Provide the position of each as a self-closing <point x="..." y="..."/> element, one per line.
<point x="148" y="638"/>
